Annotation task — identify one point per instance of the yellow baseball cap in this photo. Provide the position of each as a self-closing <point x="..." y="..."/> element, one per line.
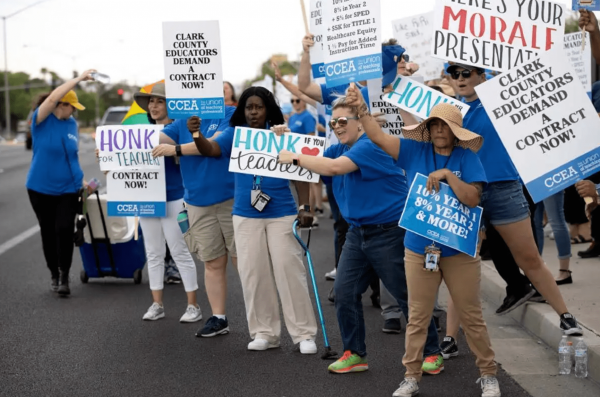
<point x="71" y="98"/>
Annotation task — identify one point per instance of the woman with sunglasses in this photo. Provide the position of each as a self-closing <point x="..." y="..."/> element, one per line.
<point x="370" y="192"/>
<point x="55" y="176"/>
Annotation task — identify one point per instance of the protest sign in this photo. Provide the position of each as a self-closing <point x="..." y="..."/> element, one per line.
<point x="123" y="147"/>
<point x="255" y="152"/>
<point x="591" y="5"/>
<point x="580" y="60"/>
<point x="546" y="122"/>
<point x="496" y="34"/>
<point x="441" y="217"/>
<point x="137" y="192"/>
<point x="418" y="99"/>
<point x="415" y="34"/>
<point x="317" y="28"/>
<point x="193" y="72"/>
<point x="352" y="41"/>
<point x="393" y="121"/>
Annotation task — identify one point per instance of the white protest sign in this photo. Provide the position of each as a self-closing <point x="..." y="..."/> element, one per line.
<point x="580" y="60"/>
<point x="318" y="29"/>
<point x="352" y="41"/>
<point x="123" y="147"/>
<point x="496" y="34"/>
<point x="137" y="193"/>
<point x="418" y="99"/>
<point x="415" y="34"/>
<point x="193" y="71"/>
<point x="546" y="122"/>
<point x="393" y="121"/>
<point x="255" y="152"/>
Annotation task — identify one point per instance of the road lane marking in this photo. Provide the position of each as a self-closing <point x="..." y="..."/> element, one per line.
<point x="19" y="239"/>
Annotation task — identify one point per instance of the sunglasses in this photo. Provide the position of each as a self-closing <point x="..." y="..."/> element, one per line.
<point x="405" y="57"/>
<point x="464" y="73"/>
<point x="295" y="100"/>
<point x="341" y="121"/>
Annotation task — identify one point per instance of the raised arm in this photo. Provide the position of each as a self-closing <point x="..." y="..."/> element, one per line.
<point x="588" y="20"/>
<point x="291" y="87"/>
<point x="308" y="87"/>
<point x="55" y="96"/>
<point x="205" y="147"/>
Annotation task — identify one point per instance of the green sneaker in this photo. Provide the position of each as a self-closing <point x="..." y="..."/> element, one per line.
<point x="349" y="363"/>
<point x="433" y="365"/>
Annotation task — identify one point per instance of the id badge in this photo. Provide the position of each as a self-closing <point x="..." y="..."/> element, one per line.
<point x="254" y="193"/>
<point x="432" y="258"/>
<point x="261" y="201"/>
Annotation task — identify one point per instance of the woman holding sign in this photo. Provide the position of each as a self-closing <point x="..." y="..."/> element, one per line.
<point x="269" y="258"/>
<point x="440" y="148"/>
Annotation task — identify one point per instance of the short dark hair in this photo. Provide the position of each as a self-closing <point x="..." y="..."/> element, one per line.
<point x="274" y="115"/>
<point x="390" y="42"/>
<point x="40" y="99"/>
<point x="232" y="90"/>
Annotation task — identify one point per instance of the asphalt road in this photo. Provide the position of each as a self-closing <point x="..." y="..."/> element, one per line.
<point x="94" y="343"/>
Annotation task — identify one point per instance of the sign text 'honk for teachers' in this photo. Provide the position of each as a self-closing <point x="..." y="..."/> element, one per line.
<point x="124" y="147"/>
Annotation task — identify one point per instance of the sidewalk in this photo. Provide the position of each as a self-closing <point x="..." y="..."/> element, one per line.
<point x="582" y="298"/>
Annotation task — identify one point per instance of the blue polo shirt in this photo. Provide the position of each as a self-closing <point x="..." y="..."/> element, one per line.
<point x="55" y="168"/>
<point x="418" y="157"/>
<point x="303" y="123"/>
<point x="375" y="193"/>
<point x="207" y="180"/>
<point x="494" y="157"/>
<point x="282" y="202"/>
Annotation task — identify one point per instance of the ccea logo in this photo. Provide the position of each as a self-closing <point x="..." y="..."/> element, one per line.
<point x="213" y="127"/>
<point x="340" y="68"/>
<point x="560" y="177"/>
<point x="72" y="137"/>
<point x="183" y="104"/>
<point x="127" y="207"/>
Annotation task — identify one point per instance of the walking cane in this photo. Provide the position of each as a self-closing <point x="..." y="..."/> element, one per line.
<point x="329" y="354"/>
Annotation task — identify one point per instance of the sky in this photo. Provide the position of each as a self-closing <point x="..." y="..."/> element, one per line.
<point x="123" y="38"/>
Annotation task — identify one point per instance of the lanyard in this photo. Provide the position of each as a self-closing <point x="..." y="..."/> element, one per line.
<point x="256" y="182"/>
<point x="435" y="161"/>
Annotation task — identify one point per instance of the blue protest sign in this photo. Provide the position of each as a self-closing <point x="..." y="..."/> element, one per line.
<point x="441" y="217"/>
<point x="591" y="5"/>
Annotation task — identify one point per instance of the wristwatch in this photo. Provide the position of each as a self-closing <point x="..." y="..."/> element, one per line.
<point x="296" y="160"/>
<point x="304" y="208"/>
<point x="178" y="151"/>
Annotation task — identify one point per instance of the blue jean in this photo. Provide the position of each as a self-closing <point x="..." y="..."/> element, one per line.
<point x="369" y="250"/>
<point x="554" y="206"/>
<point x="504" y="203"/>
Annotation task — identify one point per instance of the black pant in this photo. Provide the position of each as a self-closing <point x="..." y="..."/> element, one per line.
<point x="56" y="216"/>
<point x="505" y="263"/>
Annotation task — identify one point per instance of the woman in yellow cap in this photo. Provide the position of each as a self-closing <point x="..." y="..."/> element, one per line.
<point x="55" y="176"/>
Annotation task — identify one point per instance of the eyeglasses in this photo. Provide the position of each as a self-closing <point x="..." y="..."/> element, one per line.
<point x="465" y="73"/>
<point x="295" y="100"/>
<point x="341" y="121"/>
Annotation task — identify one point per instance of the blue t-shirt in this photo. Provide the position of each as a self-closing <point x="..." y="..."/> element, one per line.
<point x="173" y="180"/>
<point x="324" y="124"/>
<point x="418" y="157"/>
<point x="494" y="157"/>
<point x="207" y="180"/>
<point x="331" y="94"/>
<point x="375" y="193"/>
<point x="282" y="202"/>
<point x="55" y="168"/>
<point x="302" y="123"/>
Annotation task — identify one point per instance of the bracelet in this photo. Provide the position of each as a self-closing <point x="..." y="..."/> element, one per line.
<point x="178" y="151"/>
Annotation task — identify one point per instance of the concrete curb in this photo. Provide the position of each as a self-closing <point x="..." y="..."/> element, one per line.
<point x="539" y="319"/>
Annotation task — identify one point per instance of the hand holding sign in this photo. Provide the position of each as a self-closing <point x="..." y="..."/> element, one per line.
<point x="433" y="181"/>
<point x="193" y="125"/>
<point x="308" y="41"/>
<point x="163" y="150"/>
<point x="354" y="97"/>
<point x="281" y="129"/>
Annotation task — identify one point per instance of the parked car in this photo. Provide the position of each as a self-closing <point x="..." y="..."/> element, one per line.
<point x="114" y="115"/>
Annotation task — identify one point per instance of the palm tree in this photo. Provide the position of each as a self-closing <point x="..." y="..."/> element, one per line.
<point x="44" y="72"/>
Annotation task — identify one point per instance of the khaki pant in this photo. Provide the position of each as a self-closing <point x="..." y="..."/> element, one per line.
<point x="270" y="262"/>
<point x="210" y="235"/>
<point x="462" y="275"/>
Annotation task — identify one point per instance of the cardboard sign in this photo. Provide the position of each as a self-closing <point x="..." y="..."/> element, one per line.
<point x="352" y="41"/>
<point x="415" y="34"/>
<point x="255" y="152"/>
<point x="441" y="217"/>
<point x="496" y="34"/>
<point x="318" y="29"/>
<point x="137" y="192"/>
<point x="193" y="72"/>
<point x="419" y="99"/>
<point x="591" y="5"/>
<point x="546" y="122"/>
<point x="125" y="147"/>
<point x="394" y="123"/>
<point x="580" y="60"/>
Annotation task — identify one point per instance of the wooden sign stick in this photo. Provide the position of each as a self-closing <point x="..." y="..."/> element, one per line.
<point x="137" y="223"/>
<point x="304" y="17"/>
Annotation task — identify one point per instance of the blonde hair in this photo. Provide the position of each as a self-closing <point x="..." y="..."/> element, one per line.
<point x="340" y="102"/>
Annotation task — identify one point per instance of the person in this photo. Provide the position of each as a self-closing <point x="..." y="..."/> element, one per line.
<point x="229" y="94"/>
<point x="504" y="204"/>
<point x="157" y="230"/>
<point x="370" y="192"/>
<point x="208" y="198"/>
<point x="55" y="177"/>
<point x="270" y="258"/>
<point x="440" y="148"/>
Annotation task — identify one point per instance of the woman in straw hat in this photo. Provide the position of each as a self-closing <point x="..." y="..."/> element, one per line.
<point x="441" y="148"/>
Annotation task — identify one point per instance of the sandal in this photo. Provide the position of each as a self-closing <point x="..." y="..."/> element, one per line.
<point x="568" y="280"/>
<point x="579" y="239"/>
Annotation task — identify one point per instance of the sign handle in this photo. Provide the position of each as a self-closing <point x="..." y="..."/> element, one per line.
<point x="304" y="17"/>
<point x="588" y="200"/>
<point x="137" y="223"/>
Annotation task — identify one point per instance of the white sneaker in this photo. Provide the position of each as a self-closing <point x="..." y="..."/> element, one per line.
<point x="261" y="344"/>
<point x="408" y="388"/>
<point x="155" y="312"/>
<point x="191" y="315"/>
<point x="331" y="275"/>
<point x="308" y="346"/>
<point x="315" y="221"/>
<point x="489" y="386"/>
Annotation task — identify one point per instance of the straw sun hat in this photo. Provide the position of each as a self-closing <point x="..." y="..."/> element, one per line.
<point x="452" y="116"/>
